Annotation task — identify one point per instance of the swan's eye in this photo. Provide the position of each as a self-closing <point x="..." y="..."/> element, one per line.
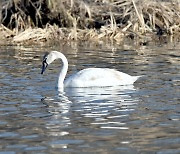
<point x="44" y="60"/>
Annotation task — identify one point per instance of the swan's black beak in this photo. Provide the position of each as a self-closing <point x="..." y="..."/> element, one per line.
<point x="44" y="66"/>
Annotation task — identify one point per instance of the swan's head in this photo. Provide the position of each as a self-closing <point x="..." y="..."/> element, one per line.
<point x="48" y="59"/>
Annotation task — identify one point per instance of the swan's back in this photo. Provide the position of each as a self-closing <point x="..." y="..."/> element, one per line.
<point x="99" y="77"/>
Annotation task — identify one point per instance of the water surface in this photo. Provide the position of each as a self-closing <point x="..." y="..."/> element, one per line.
<point x="144" y="118"/>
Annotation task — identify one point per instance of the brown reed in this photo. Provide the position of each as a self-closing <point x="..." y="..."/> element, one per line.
<point x="42" y="20"/>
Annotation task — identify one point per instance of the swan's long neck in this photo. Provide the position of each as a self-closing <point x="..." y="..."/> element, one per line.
<point x="63" y="71"/>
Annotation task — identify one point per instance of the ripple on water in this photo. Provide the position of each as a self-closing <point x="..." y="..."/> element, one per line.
<point x="139" y="119"/>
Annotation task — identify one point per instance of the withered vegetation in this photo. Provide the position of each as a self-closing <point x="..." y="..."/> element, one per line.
<point x="43" y="20"/>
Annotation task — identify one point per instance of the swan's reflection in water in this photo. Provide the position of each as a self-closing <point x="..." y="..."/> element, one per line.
<point x="82" y="110"/>
<point x="59" y="120"/>
<point x="105" y="107"/>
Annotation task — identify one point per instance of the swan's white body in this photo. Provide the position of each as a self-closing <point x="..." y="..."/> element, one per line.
<point x="90" y="77"/>
<point x="99" y="77"/>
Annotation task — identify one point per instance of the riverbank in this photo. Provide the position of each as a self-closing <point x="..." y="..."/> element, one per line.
<point x="97" y="20"/>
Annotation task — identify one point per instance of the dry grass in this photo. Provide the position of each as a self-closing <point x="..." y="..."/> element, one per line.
<point x="42" y="20"/>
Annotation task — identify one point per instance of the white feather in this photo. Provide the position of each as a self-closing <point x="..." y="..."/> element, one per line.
<point x="99" y="77"/>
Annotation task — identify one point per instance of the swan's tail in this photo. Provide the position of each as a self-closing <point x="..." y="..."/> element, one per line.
<point x="137" y="77"/>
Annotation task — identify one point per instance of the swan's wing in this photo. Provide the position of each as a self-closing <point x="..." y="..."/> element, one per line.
<point x="93" y="77"/>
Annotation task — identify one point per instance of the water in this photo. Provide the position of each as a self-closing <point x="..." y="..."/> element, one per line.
<point x="144" y="118"/>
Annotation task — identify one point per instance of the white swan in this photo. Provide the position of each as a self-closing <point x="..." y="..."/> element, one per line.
<point x="90" y="77"/>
